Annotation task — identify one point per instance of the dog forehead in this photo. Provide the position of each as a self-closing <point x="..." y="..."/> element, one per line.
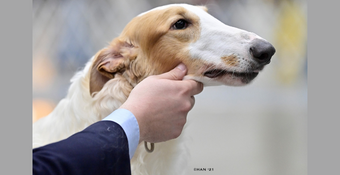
<point x="192" y="8"/>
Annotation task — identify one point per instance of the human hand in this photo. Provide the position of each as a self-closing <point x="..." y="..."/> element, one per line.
<point x="161" y="103"/>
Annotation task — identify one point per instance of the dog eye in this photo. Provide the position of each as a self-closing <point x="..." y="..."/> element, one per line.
<point x="180" y="24"/>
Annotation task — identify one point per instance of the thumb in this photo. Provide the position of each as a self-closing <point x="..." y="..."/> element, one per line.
<point x="175" y="74"/>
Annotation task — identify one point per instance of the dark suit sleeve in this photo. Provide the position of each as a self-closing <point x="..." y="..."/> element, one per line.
<point x="102" y="148"/>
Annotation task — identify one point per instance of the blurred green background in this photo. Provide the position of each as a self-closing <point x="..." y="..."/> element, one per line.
<point x="259" y="129"/>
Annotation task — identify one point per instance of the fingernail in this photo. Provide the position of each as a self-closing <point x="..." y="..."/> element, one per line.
<point x="182" y="67"/>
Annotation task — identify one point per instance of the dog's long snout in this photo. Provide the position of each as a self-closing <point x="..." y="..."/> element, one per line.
<point x="262" y="51"/>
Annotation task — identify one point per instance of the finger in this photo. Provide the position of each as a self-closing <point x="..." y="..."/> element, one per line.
<point x="175" y="74"/>
<point x="190" y="104"/>
<point x="195" y="87"/>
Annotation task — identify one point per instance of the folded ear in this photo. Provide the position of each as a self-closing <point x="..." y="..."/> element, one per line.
<point x="109" y="61"/>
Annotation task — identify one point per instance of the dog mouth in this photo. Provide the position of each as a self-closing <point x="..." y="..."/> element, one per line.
<point x="245" y="77"/>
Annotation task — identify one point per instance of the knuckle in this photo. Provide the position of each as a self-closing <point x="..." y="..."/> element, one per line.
<point x="177" y="130"/>
<point x="193" y="87"/>
<point x="197" y="87"/>
<point x="186" y="107"/>
<point x="177" y="133"/>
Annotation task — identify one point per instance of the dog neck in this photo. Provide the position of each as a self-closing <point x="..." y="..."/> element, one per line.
<point x="80" y="108"/>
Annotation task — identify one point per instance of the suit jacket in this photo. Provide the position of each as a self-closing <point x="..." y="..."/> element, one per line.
<point x="100" y="149"/>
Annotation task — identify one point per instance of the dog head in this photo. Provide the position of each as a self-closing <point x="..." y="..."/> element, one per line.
<point x="156" y="41"/>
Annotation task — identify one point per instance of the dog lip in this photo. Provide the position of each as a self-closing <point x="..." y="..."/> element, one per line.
<point x="215" y="73"/>
<point x="245" y="76"/>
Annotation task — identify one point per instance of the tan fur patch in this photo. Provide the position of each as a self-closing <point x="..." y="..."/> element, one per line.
<point x="162" y="48"/>
<point x="231" y="61"/>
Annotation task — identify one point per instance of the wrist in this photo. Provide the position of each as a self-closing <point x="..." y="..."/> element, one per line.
<point x="139" y="119"/>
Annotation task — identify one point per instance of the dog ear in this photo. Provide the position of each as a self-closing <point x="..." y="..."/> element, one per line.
<point x="109" y="61"/>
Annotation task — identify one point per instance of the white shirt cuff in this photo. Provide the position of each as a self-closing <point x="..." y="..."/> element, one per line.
<point x="130" y="126"/>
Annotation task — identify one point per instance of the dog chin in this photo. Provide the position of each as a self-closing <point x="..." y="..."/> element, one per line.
<point x="237" y="79"/>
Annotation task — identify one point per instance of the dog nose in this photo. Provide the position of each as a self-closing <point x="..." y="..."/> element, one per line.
<point x="262" y="51"/>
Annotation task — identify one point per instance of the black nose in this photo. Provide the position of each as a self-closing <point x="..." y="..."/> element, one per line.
<point x="262" y="51"/>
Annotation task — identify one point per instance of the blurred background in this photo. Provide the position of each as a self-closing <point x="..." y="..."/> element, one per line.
<point x="259" y="129"/>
